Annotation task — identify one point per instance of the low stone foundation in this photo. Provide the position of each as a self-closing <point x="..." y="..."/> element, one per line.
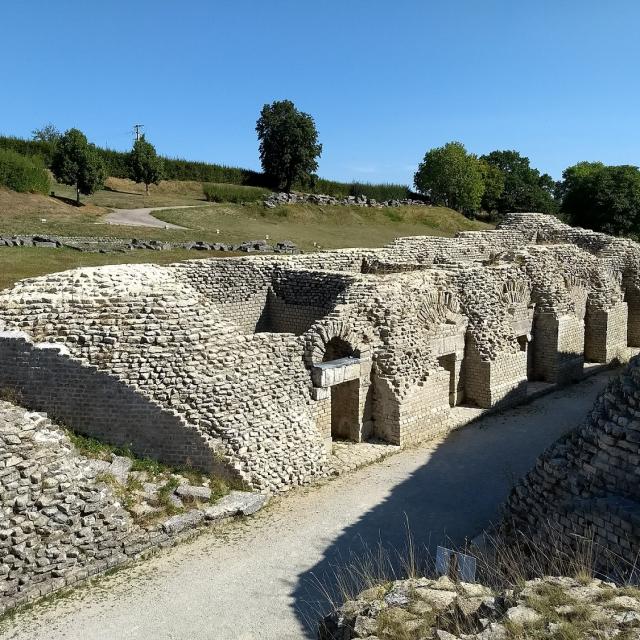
<point x="61" y="523"/>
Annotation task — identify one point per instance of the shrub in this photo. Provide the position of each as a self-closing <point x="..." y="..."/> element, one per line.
<point x="378" y="192"/>
<point x="21" y="173"/>
<point x="116" y="164"/>
<point x="233" y="193"/>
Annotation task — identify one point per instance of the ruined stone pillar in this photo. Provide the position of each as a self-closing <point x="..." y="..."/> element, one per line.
<point x="558" y="345"/>
<point x="605" y="333"/>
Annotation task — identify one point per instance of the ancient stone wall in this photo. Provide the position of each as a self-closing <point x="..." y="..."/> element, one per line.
<point x="584" y="485"/>
<point x="265" y="359"/>
<point x="99" y="405"/>
<point x="63" y="517"/>
<point x="59" y="523"/>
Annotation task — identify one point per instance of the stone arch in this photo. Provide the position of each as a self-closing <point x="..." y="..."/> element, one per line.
<point x="515" y="293"/>
<point x="439" y="307"/>
<point x="336" y="328"/>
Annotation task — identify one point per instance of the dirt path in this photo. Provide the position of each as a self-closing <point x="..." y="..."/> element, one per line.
<point x="255" y="579"/>
<point x="142" y="217"/>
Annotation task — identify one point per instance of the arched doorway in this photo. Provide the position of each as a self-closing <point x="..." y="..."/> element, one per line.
<point x="345" y="395"/>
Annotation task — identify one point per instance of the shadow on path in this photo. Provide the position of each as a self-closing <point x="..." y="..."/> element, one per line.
<point x="456" y="493"/>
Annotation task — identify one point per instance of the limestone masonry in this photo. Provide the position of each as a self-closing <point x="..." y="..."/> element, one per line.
<point x="253" y="365"/>
<point x="421" y="608"/>
<point x="585" y="487"/>
<point x="61" y="522"/>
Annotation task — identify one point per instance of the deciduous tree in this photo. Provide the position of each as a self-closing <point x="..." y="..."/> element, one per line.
<point x="493" y="180"/>
<point x="144" y="164"/>
<point x="289" y="145"/>
<point x="46" y="133"/>
<point x="524" y="188"/>
<point x="451" y="177"/>
<point x="76" y="162"/>
<point x="603" y="198"/>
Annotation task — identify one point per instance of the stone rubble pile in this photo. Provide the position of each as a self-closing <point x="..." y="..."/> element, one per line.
<point x="426" y="609"/>
<point x="61" y="521"/>
<point x="277" y="199"/>
<point x="109" y="245"/>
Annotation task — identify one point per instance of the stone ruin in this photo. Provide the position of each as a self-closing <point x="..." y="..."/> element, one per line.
<point x="584" y="490"/>
<point x="253" y="366"/>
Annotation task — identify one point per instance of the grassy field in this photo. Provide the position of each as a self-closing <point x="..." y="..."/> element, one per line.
<point x="329" y="227"/>
<point x="126" y="194"/>
<point x="304" y="224"/>
<point x="17" y="263"/>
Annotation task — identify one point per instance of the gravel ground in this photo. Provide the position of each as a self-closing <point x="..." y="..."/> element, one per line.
<point x="257" y="579"/>
<point x="141" y="217"/>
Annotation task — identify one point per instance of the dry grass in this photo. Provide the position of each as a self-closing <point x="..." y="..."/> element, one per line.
<point x="330" y="227"/>
<point x="309" y="226"/>
<point x="120" y="193"/>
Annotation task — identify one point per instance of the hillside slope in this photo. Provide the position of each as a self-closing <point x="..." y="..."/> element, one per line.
<point x="308" y="226"/>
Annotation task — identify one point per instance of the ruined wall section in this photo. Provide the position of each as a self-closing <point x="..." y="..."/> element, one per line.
<point x="238" y="288"/>
<point x="97" y="404"/>
<point x="585" y="484"/>
<point x="249" y="394"/>
<point x="59" y="523"/>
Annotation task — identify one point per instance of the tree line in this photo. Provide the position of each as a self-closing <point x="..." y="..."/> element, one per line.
<point x="77" y="162"/>
<point x="590" y="194"/>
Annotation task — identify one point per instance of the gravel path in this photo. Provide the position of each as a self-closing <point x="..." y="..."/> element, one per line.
<point x="142" y="217"/>
<point x="255" y="579"/>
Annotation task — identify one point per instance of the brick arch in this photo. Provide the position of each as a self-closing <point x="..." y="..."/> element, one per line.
<point x="514" y="293"/>
<point x="438" y="307"/>
<point x="338" y="325"/>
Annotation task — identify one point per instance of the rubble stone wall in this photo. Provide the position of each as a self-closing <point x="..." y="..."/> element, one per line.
<point x="228" y="347"/>
<point x="98" y="405"/>
<point x="59" y="523"/>
<point x="584" y="486"/>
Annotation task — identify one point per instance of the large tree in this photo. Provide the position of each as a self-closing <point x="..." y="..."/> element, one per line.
<point x="47" y="133"/>
<point x="76" y="162"/>
<point x="525" y="189"/>
<point x="144" y="164"/>
<point x="493" y="180"/>
<point x="289" y="145"/>
<point x="603" y="198"/>
<point x="452" y="177"/>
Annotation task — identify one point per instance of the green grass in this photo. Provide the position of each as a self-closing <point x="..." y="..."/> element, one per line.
<point x="156" y="471"/>
<point x="309" y="226"/>
<point x="233" y="193"/>
<point x="17" y="263"/>
<point x="330" y="227"/>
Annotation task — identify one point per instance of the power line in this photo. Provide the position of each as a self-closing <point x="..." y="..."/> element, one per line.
<point x="137" y="128"/>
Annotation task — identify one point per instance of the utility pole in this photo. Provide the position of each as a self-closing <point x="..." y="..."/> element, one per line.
<point x="137" y="128"/>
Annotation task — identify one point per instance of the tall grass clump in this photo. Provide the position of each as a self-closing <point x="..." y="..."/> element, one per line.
<point x="233" y="193"/>
<point x="22" y="173"/>
<point x="380" y="192"/>
<point x="502" y="563"/>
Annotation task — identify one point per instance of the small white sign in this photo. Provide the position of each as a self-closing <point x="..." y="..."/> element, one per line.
<point x="457" y="566"/>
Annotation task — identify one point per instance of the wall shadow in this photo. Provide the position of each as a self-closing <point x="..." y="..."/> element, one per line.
<point x="456" y="493"/>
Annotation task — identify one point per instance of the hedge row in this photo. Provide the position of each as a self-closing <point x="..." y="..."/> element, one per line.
<point x="233" y="193"/>
<point x="22" y="173"/>
<point x="378" y="192"/>
<point x="179" y="169"/>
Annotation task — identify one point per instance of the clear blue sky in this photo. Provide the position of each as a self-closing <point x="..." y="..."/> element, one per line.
<point x="557" y="80"/>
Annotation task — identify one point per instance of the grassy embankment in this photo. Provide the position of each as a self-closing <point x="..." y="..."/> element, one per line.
<point x="330" y="227"/>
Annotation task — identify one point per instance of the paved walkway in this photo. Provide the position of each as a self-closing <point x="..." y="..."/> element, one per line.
<point x="141" y="217"/>
<point x="255" y="579"/>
